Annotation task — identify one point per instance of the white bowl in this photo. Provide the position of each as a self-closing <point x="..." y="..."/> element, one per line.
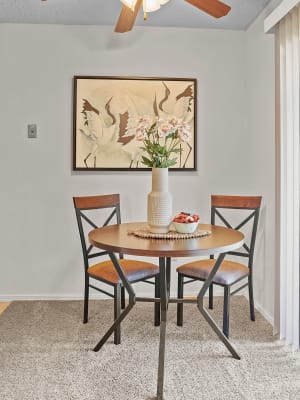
<point x="182" y="227"/>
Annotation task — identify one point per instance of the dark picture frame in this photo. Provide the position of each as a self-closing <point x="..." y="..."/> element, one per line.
<point x="105" y="114"/>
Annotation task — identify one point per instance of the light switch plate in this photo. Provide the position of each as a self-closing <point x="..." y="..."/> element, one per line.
<point x="32" y="131"/>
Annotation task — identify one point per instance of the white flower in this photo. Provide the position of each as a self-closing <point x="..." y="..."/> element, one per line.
<point x="164" y="129"/>
<point x="184" y="132"/>
<point x="141" y="133"/>
<point x="174" y="121"/>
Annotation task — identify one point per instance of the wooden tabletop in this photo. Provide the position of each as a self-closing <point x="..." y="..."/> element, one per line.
<point x="119" y="239"/>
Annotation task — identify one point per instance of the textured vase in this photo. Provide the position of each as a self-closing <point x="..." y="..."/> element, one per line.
<point x="159" y="210"/>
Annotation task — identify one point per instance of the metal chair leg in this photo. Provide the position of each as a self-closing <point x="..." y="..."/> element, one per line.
<point x="122" y="297"/>
<point x="211" y="297"/>
<point x="226" y="311"/>
<point x="117" y="312"/>
<point x="86" y="299"/>
<point x="180" y="296"/>
<point x="157" y="305"/>
<point x="251" y="299"/>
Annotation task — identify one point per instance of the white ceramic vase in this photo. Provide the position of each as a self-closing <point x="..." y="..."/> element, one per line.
<point x="159" y="210"/>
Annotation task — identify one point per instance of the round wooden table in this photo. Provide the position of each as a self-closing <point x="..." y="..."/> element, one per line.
<point x="120" y="239"/>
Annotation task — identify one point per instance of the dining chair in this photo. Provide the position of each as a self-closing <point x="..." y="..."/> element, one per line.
<point x="87" y="210"/>
<point x="223" y="208"/>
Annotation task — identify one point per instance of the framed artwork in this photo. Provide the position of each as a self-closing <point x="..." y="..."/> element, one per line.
<point x="106" y="113"/>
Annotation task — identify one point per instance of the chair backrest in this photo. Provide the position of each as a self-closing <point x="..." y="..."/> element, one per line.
<point x="251" y="203"/>
<point x="88" y="203"/>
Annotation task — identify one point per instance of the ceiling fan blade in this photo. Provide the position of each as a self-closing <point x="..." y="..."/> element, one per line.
<point x="127" y="18"/>
<point x="214" y="8"/>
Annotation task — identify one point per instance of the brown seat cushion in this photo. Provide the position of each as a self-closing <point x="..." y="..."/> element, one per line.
<point x="228" y="273"/>
<point x="134" y="270"/>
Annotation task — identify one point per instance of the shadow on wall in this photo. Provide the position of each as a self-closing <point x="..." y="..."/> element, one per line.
<point x="260" y="264"/>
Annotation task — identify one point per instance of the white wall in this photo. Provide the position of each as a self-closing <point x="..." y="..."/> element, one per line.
<point x="260" y="120"/>
<point x="40" y="250"/>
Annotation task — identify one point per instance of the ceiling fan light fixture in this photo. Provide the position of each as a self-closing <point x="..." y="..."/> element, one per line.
<point x="129" y="3"/>
<point x="151" y="5"/>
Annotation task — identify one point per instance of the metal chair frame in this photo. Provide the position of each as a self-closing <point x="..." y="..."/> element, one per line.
<point x="109" y="201"/>
<point x="217" y="204"/>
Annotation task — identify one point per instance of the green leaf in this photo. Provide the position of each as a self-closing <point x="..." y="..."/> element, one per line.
<point x="176" y="150"/>
<point x="172" y="162"/>
<point x="146" y="161"/>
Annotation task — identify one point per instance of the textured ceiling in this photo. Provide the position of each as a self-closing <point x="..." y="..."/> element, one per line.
<point x="176" y="13"/>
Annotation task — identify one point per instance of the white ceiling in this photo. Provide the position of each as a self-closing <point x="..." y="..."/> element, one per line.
<point x="177" y="13"/>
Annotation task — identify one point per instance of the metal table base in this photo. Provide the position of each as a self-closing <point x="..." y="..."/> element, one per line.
<point x="164" y="265"/>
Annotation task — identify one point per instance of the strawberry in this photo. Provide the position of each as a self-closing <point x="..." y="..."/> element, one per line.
<point x="186" y="218"/>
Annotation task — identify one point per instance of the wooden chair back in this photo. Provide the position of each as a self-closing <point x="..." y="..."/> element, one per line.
<point x="86" y="203"/>
<point x="251" y="203"/>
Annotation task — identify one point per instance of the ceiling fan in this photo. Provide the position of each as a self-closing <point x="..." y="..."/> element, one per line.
<point x="130" y="9"/>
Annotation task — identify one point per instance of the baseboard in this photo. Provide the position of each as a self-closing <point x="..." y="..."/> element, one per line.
<point x="11" y="298"/>
<point x="93" y="295"/>
<point x="263" y="312"/>
<point x="259" y="308"/>
<point x="96" y="296"/>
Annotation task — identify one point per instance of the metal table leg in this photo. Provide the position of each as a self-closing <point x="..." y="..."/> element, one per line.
<point x="206" y="315"/>
<point x="168" y="275"/>
<point x="131" y="303"/>
<point x="164" y="285"/>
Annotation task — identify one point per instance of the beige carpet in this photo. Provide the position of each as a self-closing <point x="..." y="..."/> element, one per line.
<point x="46" y="353"/>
